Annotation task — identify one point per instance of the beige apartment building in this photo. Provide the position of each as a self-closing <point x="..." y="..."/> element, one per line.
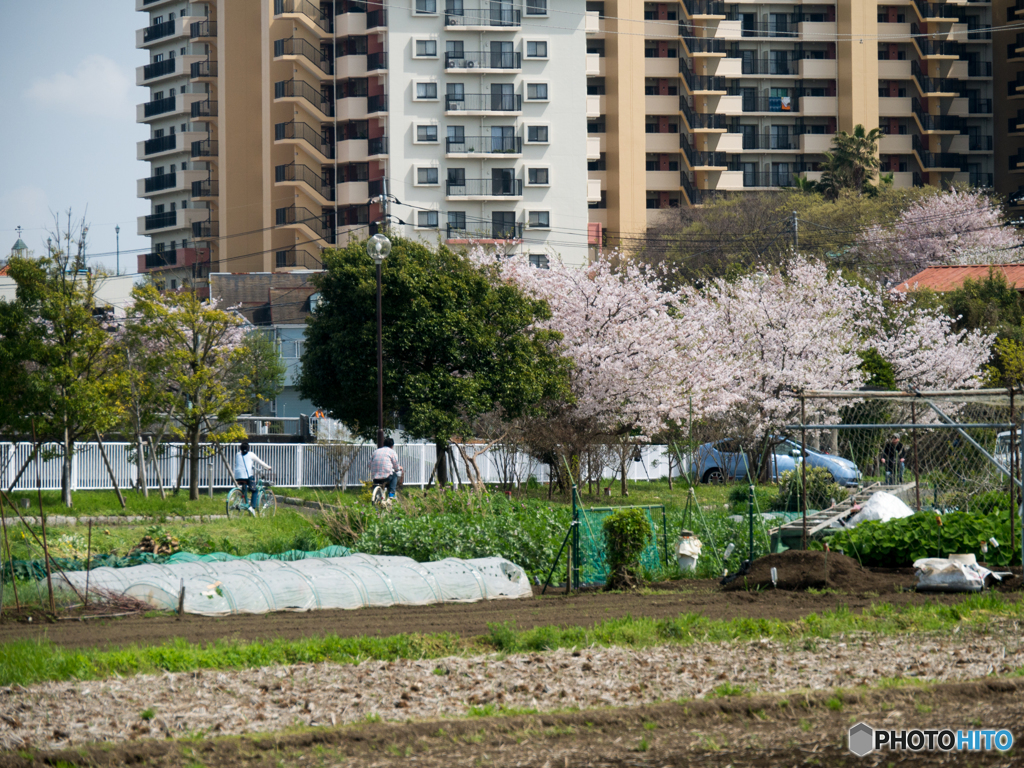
<point x="689" y="99"/>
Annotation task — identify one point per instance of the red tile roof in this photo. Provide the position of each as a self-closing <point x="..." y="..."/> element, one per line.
<point x="949" y="278"/>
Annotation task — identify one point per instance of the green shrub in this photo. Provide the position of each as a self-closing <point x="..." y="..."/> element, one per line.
<point x="900" y="542"/>
<point x="822" y="490"/>
<point x="766" y="498"/>
<point x="626" y="533"/>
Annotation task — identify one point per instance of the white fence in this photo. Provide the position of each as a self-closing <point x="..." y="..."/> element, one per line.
<point x="295" y="465"/>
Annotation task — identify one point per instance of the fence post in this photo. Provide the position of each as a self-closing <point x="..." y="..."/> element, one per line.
<point x="423" y="466"/>
<point x="74" y="467"/>
<point x="298" y="465"/>
<point x="12" y="454"/>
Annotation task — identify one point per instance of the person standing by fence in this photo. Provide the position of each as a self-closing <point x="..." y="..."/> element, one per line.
<point x="245" y="475"/>
<point x="894" y="455"/>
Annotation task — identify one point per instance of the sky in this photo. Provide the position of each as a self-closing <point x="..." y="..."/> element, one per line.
<point x="67" y="124"/>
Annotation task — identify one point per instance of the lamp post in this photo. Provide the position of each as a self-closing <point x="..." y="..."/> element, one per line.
<point x="117" y="231"/>
<point x="378" y="247"/>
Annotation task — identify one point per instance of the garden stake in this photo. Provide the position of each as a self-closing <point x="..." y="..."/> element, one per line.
<point x="88" y="565"/>
<point x="803" y="469"/>
<point x="913" y="435"/>
<point x="750" y="514"/>
<point x="1013" y="469"/>
<point x="938" y="531"/>
<point x="42" y="523"/>
<point x="10" y="558"/>
<point x="826" y="566"/>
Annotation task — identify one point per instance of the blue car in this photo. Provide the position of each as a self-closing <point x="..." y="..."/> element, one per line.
<point x="723" y="460"/>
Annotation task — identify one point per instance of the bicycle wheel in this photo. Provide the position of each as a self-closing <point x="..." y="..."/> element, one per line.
<point x="268" y="503"/>
<point x="379" y="497"/>
<point x="236" y="502"/>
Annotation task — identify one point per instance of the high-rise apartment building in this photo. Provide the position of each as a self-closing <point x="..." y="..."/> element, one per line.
<point x="278" y="125"/>
<point x="689" y="99"/>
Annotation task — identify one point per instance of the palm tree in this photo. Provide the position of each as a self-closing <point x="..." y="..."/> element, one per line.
<point x="851" y="164"/>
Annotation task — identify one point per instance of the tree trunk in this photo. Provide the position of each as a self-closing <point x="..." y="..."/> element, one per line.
<point x="156" y="468"/>
<point x="140" y="463"/>
<point x="193" y="465"/>
<point x="670" y="470"/>
<point x="65" y="474"/>
<point x="623" y="465"/>
<point x="441" y="463"/>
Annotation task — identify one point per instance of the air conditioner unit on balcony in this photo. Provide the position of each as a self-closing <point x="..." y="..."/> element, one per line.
<point x="470" y="64"/>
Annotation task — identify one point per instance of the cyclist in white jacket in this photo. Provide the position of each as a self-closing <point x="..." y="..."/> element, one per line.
<point x="244" y="474"/>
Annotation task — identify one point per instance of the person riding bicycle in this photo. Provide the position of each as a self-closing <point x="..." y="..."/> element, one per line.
<point x="384" y="466"/>
<point x="244" y="474"/>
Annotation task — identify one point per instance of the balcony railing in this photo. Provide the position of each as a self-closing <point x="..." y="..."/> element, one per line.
<point x="485" y="188"/>
<point x="484" y="145"/>
<point x="483" y="60"/>
<point x="297" y="257"/>
<point x="161" y="259"/>
<point x="930" y="84"/>
<point x="699" y="44"/>
<point x="160" y="106"/>
<point x="769" y="66"/>
<point x="768" y="178"/>
<point x="376" y="61"/>
<point x="378" y="103"/>
<point x="768" y="29"/>
<point x="205" y="188"/>
<point x="306" y="175"/>
<point x="493" y="15"/>
<point x="770" y="141"/>
<point x="979" y="34"/>
<point x="937" y="10"/>
<point x="700" y="82"/>
<point x="204" y="109"/>
<point x="306" y="133"/>
<point x="307" y="9"/>
<point x="162" y="181"/>
<point x="297" y="46"/>
<point x="484" y="102"/>
<point x="161" y="144"/>
<point x="936" y="122"/>
<point x="1012" y="86"/>
<point x="375" y="187"/>
<point x="704" y="7"/>
<point x="979" y="106"/>
<point x="378" y="146"/>
<point x="700" y="159"/>
<point x="375" y="19"/>
<point x="205" y="230"/>
<point x="204" y="148"/>
<point x="203" y="29"/>
<point x="484" y="232"/>
<point x="696" y="120"/>
<point x="1015" y="162"/>
<point x="158" y="68"/>
<point x="304" y="216"/>
<point x="158" y="31"/>
<point x="206" y="68"/>
<point x="161" y="220"/>
<point x="934" y="47"/>
<point x="303" y="90"/>
<point x="980" y="179"/>
<point x="979" y="143"/>
<point x="979" y="69"/>
<point x="770" y="103"/>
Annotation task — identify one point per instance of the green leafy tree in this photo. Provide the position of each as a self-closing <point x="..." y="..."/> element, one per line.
<point x="63" y="376"/>
<point x="198" y="344"/>
<point x="852" y="163"/>
<point x="259" y="371"/>
<point x="992" y="305"/>
<point x="455" y="346"/>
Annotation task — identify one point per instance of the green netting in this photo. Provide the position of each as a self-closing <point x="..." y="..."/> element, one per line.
<point x="593" y="549"/>
<point x="289" y="556"/>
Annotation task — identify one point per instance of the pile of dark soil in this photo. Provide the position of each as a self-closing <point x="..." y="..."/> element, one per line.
<point x="800" y="570"/>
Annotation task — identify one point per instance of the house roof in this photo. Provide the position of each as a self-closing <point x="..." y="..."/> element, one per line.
<point x="265" y="298"/>
<point x="949" y="278"/>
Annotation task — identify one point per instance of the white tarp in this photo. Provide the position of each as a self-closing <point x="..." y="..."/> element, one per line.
<point x="356" y="581"/>
<point x="881" y="506"/>
<point x="940" y="574"/>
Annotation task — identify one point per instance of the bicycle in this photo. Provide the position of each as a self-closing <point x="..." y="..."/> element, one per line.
<point x="262" y="500"/>
<point x="379" y="497"/>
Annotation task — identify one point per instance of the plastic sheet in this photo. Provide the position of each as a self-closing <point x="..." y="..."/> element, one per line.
<point x="355" y="581"/>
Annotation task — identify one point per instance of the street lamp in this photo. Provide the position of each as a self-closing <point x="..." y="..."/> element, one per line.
<point x="378" y="247"/>
<point x="117" y="231"/>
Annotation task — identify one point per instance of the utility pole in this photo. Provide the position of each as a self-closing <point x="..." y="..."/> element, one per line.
<point x="384" y="200"/>
<point x="117" y="232"/>
<point x="795" y="232"/>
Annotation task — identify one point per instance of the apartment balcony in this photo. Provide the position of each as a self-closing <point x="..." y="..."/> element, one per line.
<point x="769" y="29"/>
<point x="297" y="258"/>
<point x="352" y="22"/>
<point x="979" y="106"/>
<point x="593" y="190"/>
<point x="477" y="146"/>
<point x="653" y="105"/>
<point x="376" y="19"/>
<point x="152" y="5"/>
<point x="934" y="86"/>
<point x="301" y="92"/>
<point x="595" y="106"/>
<point x="204" y="71"/>
<point x="304" y="220"/>
<point x="207" y="229"/>
<point x="1015" y="89"/>
<point x="939" y="162"/>
<point x="295" y="174"/>
<point x="352" y="108"/>
<point x="981" y="179"/>
<point x="704" y="9"/>
<point x="179" y="105"/>
<point x="206" y="150"/>
<point x="700" y="160"/>
<point x="1016" y="162"/>
<point x="768" y="179"/>
<point x="771" y="104"/>
<point x="484" y="104"/>
<point x="159" y="146"/>
<point x="352" y="65"/>
<point x="594" y="148"/>
<point x="701" y="84"/>
<point x="771" y="142"/>
<point x="698" y="121"/>
<point x="160" y="222"/>
<point x="204" y="111"/>
<point x="595" y="65"/>
<point x="594" y="24"/>
<point x="157" y="32"/>
<point x="168" y="183"/>
<point x="299" y="50"/>
<point x="161" y="259"/>
<point x="935" y="49"/>
<point x="484" y="189"/>
<point x="894" y="69"/>
<point x="484" y="61"/>
<point x="352" y="150"/>
<point x="979" y="69"/>
<point x="816" y="30"/>
<point x="151" y="74"/>
<point x="816" y="143"/>
<point x="377" y="105"/>
<point x="661" y="67"/>
<point x="376" y="62"/>
<point x="307" y="136"/>
<point x="206" y="189"/>
<point x="484" y="233"/>
<point x="700" y="46"/>
<point x="305" y="13"/>
<point x="895" y="144"/>
<point x="937" y="12"/>
<point x="663" y="143"/>
<point x="661" y="181"/>
<point x="483" y="17"/>
<point x="357" y="192"/>
<point x="895" y="106"/>
<point x="203" y="31"/>
<point x="768" y="66"/>
<point x="1016" y="124"/>
<point x="377" y="147"/>
<point x="929" y="123"/>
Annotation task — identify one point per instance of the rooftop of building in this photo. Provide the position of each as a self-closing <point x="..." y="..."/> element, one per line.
<point x="266" y="298"/>
<point x="950" y="277"/>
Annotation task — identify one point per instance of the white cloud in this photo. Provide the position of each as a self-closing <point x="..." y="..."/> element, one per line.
<point x="97" y="86"/>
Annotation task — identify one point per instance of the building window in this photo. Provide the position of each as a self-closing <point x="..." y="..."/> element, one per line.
<point x="537" y="91"/>
<point x="426" y="48"/>
<point x="426" y="91"/>
<point x="538" y="177"/>
<point x="539" y="260"/>
<point x="426" y="176"/>
<point x="537" y="134"/>
<point x="536" y="7"/>
<point x="457" y="220"/>
<point x="426" y="219"/>
<point x="426" y="6"/>
<point x="536" y="49"/>
<point x="426" y="133"/>
<point x="539" y="220"/>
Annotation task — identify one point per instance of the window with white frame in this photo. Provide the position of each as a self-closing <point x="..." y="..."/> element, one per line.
<point x="426" y="48"/>
<point x="536" y="7"/>
<point x="537" y="91"/>
<point x="426" y="91"/>
<point x="539" y="220"/>
<point x="536" y="49"/>
<point x="537" y="134"/>
<point x="537" y="177"/>
<point x="426" y="219"/>
<point x="427" y="175"/>
<point x="430" y="6"/>
<point x="426" y="134"/>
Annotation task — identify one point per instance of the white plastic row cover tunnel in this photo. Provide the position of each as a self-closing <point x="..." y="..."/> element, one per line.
<point x="356" y="581"/>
